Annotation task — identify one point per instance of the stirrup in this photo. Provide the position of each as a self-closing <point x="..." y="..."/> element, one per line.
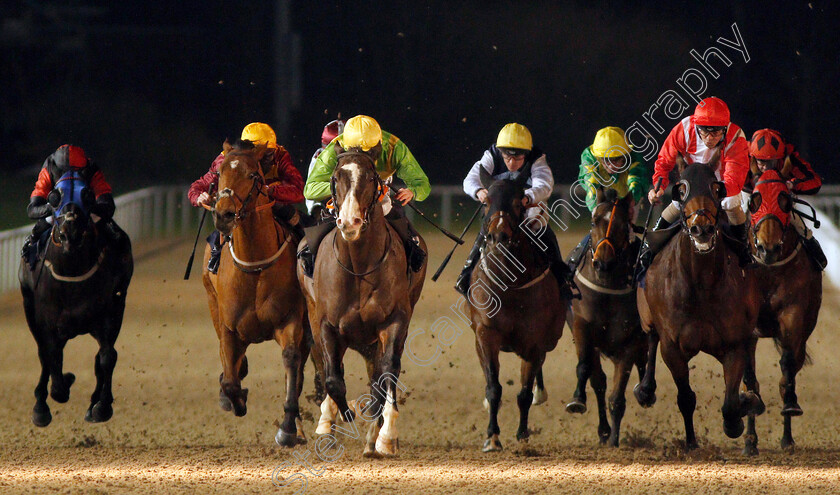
<point x="213" y="262"/>
<point x="307" y="261"/>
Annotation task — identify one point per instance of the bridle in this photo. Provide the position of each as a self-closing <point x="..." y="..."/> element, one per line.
<point x="381" y="188"/>
<point x="594" y="247"/>
<point x="700" y="212"/>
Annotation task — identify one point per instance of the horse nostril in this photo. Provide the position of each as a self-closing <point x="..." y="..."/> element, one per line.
<point x="695" y="230"/>
<point x="228" y="215"/>
<point x="339" y="222"/>
<point x="357" y="221"/>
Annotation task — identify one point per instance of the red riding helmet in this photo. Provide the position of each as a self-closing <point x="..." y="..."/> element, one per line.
<point x="331" y="131"/>
<point x="767" y="144"/>
<point x="711" y="112"/>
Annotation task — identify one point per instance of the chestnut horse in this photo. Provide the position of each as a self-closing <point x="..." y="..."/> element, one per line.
<point x="697" y="299"/>
<point x="605" y="279"/>
<point x="361" y="297"/>
<point x="514" y="300"/>
<point x="255" y="297"/>
<point x="79" y="287"/>
<point x="791" y="291"/>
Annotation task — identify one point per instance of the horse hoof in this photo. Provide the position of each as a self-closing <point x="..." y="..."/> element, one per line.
<point x="99" y="413"/>
<point x="301" y="436"/>
<point x="789" y="446"/>
<point x="370" y="452"/>
<point x="41" y="418"/>
<point x="540" y="396"/>
<point x="750" y="450"/>
<point x="63" y="395"/>
<point x="225" y="403"/>
<point x="239" y="409"/>
<point x="613" y="441"/>
<point x="492" y="444"/>
<point x="792" y="410"/>
<point x="284" y="439"/>
<point x="751" y="404"/>
<point x="324" y="427"/>
<point x="387" y="447"/>
<point x="643" y="397"/>
<point x="576" y="407"/>
<point x="734" y="430"/>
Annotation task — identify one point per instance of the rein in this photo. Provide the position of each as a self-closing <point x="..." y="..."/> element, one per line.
<point x="378" y="263"/>
<point x="258" y="266"/>
<point x="593" y="248"/>
<point x="63" y="278"/>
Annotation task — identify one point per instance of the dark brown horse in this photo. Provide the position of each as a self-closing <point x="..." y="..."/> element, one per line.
<point x="514" y="301"/>
<point x="361" y="297"/>
<point x="698" y="300"/>
<point x="791" y="290"/>
<point x="79" y="287"/>
<point x="255" y="297"/>
<point x="605" y="281"/>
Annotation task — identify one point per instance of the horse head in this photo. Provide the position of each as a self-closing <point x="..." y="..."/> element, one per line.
<point x="356" y="191"/>
<point x="610" y="230"/>
<point x="504" y="211"/>
<point x="72" y="226"/>
<point x="699" y="194"/>
<point x="770" y="206"/>
<point x="241" y="182"/>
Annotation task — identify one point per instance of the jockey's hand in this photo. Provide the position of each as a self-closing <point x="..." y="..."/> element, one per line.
<point x="482" y="195"/>
<point x="654" y="195"/>
<point x="404" y="196"/>
<point x="202" y="198"/>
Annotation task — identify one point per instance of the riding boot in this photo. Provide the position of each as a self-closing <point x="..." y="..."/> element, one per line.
<point x="560" y="270"/>
<point x="646" y="255"/>
<point x="463" y="283"/>
<point x="577" y="253"/>
<point x="815" y="252"/>
<point x="29" y="251"/>
<point x="215" y="251"/>
<point x="741" y="245"/>
<point x="413" y="252"/>
<point x="313" y="235"/>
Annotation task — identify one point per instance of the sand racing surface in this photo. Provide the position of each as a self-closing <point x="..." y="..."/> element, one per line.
<point x="168" y="433"/>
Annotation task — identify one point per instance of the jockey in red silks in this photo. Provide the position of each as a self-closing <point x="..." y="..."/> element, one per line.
<point x="71" y="163"/>
<point x="285" y="185"/>
<point x="697" y="138"/>
<point x="330" y="132"/>
<point x="769" y="151"/>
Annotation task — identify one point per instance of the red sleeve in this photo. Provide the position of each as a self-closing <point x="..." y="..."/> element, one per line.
<point x="288" y="188"/>
<point x="805" y="180"/>
<point x="99" y="185"/>
<point x="736" y="163"/>
<point x="43" y="185"/>
<point x="203" y="183"/>
<point x="674" y="144"/>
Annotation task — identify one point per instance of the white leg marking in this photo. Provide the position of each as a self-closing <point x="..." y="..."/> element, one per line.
<point x="387" y="441"/>
<point x="329" y="410"/>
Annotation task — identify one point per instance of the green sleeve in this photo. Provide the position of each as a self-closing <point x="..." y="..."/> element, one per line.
<point x="587" y="164"/>
<point x="637" y="177"/>
<point x="317" y="185"/>
<point x="407" y="169"/>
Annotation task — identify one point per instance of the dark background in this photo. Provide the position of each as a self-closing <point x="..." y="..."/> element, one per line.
<point x="151" y="89"/>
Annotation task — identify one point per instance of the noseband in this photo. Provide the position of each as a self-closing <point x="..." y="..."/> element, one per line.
<point x="593" y="247"/>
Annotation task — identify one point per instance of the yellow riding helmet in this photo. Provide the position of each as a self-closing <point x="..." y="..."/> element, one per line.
<point x="362" y="131"/>
<point x="259" y="133"/>
<point x="515" y="136"/>
<point x="610" y="143"/>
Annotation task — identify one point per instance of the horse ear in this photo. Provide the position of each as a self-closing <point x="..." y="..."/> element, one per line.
<point x="785" y="202"/>
<point x="754" y="168"/>
<point x="339" y="149"/>
<point x="681" y="163"/>
<point x="786" y="168"/>
<point x="485" y="177"/>
<point x="599" y="195"/>
<point x="226" y="147"/>
<point x="610" y="195"/>
<point x="755" y="202"/>
<point x="679" y="191"/>
<point x="259" y="151"/>
<point x="524" y="175"/>
<point x="719" y="190"/>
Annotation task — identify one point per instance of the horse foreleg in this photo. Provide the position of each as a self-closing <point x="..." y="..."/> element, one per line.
<point x="734" y="363"/>
<point x="751" y="384"/>
<point x="392" y="339"/>
<point x="232" y="351"/>
<point x="487" y="345"/>
<point x="617" y="403"/>
<point x="61" y="382"/>
<point x="101" y="400"/>
<point x="41" y="415"/>
<point x="334" y="371"/>
<point x="686" y="399"/>
<point x="645" y="390"/>
<point x="540" y="395"/>
<point x="290" y="339"/>
<point x="598" y="379"/>
<point x="528" y="372"/>
<point x="584" y="350"/>
<point x="791" y="362"/>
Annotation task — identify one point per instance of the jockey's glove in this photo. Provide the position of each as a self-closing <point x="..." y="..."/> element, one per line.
<point x="38" y="208"/>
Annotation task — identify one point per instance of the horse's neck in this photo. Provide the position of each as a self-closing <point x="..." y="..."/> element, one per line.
<point x="522" y="253"/>
<point x="258" y="236"/>
<point x="706" y="268"/>
<point x="366" y="251"/>
<point x="790" y="240"/>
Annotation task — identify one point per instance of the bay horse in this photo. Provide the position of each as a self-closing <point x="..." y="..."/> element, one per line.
<point x="78" y="287"/>
<point x="791" y="290"/>
<point x="605" y="280"/>
<point x="514" y="300"/>
<point x="697" y="299"/>
<point x="255" y="297"/>
<point x="361" y="297"/>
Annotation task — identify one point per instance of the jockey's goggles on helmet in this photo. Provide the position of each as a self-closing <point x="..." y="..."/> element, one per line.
<point x="513" y="152"/>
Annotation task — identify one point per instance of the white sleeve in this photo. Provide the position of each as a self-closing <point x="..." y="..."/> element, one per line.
<point x="542" y="181"/>
<point x="472" y="182"/>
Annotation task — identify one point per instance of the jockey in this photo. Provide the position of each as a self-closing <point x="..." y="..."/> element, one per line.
<point x="67" y="161"/>
<point x="514" y="150"/>
<point x="330" y="132"/>
<point x="768" y="151"/>
<point x="697" y="138"/>
<point x="392" y="157"/>
<point x="284" y="183"/>
<point x="604" y="164"/>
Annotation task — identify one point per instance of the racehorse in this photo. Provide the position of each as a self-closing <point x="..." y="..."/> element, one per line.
<point x="255" y="297"/>
<point x="698" y="299"/>
<point x="791" y="291"/>
<point x="514" y="300"/>
<point x="78" y="287"/>
<point x="605" y="281"/>
<point x="361" y="297"/>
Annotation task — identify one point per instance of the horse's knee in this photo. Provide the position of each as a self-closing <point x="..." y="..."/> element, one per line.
<point x="687" y="401"/>
<point x="493" y="393"/>
<point x="108" y="358"/>
<point x="584" y="370"/>
<point x="618" y="405"/>
<point x="524" y="398"/>
<point x="335" y="387"/>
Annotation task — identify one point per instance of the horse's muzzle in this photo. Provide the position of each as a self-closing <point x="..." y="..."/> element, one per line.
<point x="224" y="221"/>
<point x="768" y="255"/>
